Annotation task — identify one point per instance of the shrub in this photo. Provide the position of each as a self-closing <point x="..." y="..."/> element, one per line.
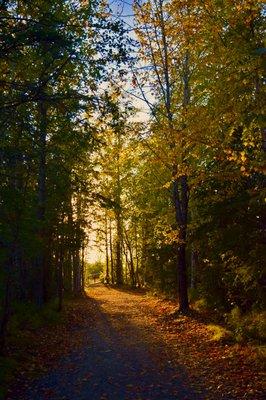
<point x="249" y="326"/>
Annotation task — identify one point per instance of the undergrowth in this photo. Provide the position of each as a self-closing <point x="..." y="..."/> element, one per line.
<point x="25" y="317"/>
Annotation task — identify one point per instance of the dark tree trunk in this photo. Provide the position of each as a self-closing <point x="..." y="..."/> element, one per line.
<point x="107" y="276"/>
<point x="118" y="214"/>
<point x="77" y="273"/>
<point x="60" y="278"/>
<point x="111" y="253"/>
<point x="6" y="309"/>
<point x="194" y="262"/>
<point x="40" y="260"/>
<point x="182" y="279"/>
<point x="137" y="256"/>
<point x="180" y="199"/>
<point x="127" y="267"/>
<point x="131" y="261"/>
<point x="119" y="266"/>
<point x="83" y="268"/>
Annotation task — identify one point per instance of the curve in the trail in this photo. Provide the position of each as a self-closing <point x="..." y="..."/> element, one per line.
<point x="123" y="358"/>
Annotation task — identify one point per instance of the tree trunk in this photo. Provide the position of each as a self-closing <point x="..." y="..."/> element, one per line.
<point x="83" y="268"/>
<point x="127" y="267"/>
<point x="118" y="212"/>
<point x="76" y="273"/>
<point x="180" y="199"/>
<point x="107" y="277"/>
<point x="5" y="315"/>
<point x="182" y="279"/>
<point x="40" y="261"/>
<point x="119" y="266"/>
<point x="60" y="277"/>
<point x="137" y="256"/>
<point x="111" y="253"/>
<point x="194" y="261"/>
<point x="131" y="261"/>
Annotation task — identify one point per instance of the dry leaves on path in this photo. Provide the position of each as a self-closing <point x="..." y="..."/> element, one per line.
<point x="124" y="321"/>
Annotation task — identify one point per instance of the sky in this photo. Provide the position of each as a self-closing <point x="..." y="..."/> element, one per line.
<point x="122" y="9"/>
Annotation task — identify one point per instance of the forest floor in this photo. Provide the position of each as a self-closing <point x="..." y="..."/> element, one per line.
<point x="119" y="345"/>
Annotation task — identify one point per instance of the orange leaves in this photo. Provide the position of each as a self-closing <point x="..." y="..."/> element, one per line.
<point x="223" y="369"/>
<point x="173" y="236"/>
<point x="129" y="321"/>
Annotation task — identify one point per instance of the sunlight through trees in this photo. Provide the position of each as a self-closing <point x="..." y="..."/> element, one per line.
<point x="174" y="199"/>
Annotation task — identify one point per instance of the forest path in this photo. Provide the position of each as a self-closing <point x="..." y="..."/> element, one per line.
<point x="123" y="356"/>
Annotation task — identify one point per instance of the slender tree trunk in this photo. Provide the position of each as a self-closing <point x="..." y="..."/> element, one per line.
<point x="194" y="261"/>
<point x="68" y="265"/>
<point x="118" y="215"/>
<point x="181" y="209"/>
<point x="119" y="239"/>
<point x="83" y="267"/>
<point x="77" y="273"/>
<point x="137" y="256"/>
<point x="111" y="252"/>
<point x="182" y="279"/>
<point x="162" y="278"/>
<point x="6" y="309"/>
<point x="127" y="267"/>
<point x="60" y="263"/>
<point x="131" y="261"/>
<point x="68" y="271"/>
<point x="107" y="276"/>
<point x="180" y="188"/>
<point x="143" y="263"/>
<point x="132" y="271"/>
<point x="40" y="261"/>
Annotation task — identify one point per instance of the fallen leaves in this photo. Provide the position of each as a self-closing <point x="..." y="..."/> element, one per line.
<point x="218" y="369"/>
<point x="38" y="351"/>
<point x="226" y="370"/>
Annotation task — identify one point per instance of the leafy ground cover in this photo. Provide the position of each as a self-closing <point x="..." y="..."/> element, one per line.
<point x="119" y="344"/>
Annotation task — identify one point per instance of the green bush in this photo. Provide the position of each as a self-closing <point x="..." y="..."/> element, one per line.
<point x="249" y="326"/>
<point x="201" y="304"/>
<point x="219" y="333"/>
<point x="29" y="316"/>
<point x="193" y="295"/>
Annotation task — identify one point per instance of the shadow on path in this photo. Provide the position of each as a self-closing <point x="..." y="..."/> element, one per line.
<point x="123" y="358"/>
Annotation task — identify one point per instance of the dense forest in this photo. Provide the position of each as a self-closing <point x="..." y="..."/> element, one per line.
<point x="148" y="129"/>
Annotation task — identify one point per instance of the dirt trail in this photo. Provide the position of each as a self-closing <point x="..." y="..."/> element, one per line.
<point x="123" y="357"/>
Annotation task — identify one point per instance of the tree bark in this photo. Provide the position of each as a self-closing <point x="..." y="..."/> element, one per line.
<point x="60" y="277"/>
<point x="111" y="252"/>
<point x="5" y="315"/>
<point x="119" y="267"/>
<point x="119" y="229"/>
<point x="107" y="276"/>
<point x="131" y="261"/>
<point x="40" y="260"/>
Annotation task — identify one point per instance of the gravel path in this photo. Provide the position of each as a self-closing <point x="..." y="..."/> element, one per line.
<point x="123" y="358"/>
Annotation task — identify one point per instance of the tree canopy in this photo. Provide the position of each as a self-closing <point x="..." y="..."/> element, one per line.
<point x="176" y="197"/>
